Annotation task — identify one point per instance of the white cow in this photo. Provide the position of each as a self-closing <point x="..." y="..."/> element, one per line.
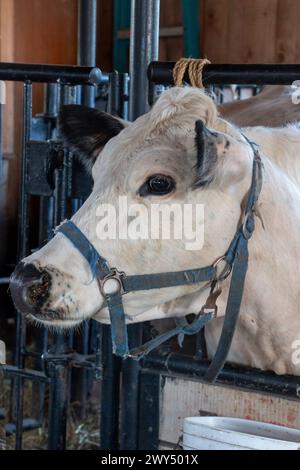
<point x="154" y="159"/>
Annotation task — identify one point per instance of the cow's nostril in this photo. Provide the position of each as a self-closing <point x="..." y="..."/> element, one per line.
<point x="37" y="293"/>
<point x="29" y="287"/>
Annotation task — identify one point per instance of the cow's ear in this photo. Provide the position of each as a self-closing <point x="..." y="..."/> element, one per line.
<point x="86" y="130"/>
<point x="207" y="154"/>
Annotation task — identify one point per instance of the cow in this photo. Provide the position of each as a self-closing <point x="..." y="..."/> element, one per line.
<point x="165" y="158"/>
<point x="274" y="106"/>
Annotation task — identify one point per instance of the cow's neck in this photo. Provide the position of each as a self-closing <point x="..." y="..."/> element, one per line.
<point x="269" y="320"/>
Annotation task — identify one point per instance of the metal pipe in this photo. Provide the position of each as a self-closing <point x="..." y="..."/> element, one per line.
<point x="29" y="374"/>
<point x="70" y="74"/>
<point x="22" y="250"/>
<point x="149" y="412"/>
<point x="143" y="49"/>
<point x="118" y="94"/>
<point x="144" y="41"/>
<point x="241" y="377"/>
<point x="1" y="129"/>
<point x="87" y="41"/>
<point x="227" y="74"/>
<point x="110" y="394"/>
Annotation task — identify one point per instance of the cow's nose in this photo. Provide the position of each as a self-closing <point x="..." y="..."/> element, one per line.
<point x="29" y="288"/>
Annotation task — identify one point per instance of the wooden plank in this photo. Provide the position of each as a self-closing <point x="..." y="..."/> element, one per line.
<point x="7" y="55"/>
<point x="240" y="31"/>
<point x="181" y="398"/>
<point x="170" y="13"/>
<point x="44" y="32"/>
<point x="105" y="35"/>
<point x="215" y="30"/>
<point x="287" y="41"/>
<point x="169" y="31"/>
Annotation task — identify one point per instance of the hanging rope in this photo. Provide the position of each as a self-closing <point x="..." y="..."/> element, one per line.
<point x="194" y="69"/>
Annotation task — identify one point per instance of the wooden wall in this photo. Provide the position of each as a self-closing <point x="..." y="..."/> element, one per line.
<point x="251" y="31"/>
<point x="239" y="31"/>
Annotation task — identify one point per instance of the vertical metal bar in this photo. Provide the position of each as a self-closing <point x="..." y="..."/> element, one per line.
<point x="143" y="50"/>
<point x="58" y="368"/>
<point x="110" y="390"/>
<point x="23" y="205"/>
<point x="2" y="99"/>
<point x="87" y="42"/>
<point x="129" y="428"/>
<point x="149" y="411"/>
<point x="17" y="412"/>
<point x="46" y="224"/>
<point x="58" y="392"/>
<point x="110" y="394"/>
<point x="118" y="94"/>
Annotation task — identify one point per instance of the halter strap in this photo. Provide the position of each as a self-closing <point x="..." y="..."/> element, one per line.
<point x="236" y="258"/>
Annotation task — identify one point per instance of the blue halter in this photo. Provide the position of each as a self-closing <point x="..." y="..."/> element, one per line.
<point x="236" y="260"/>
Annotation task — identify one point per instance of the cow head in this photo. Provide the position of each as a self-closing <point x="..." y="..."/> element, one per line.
<point x="180" y="154"/>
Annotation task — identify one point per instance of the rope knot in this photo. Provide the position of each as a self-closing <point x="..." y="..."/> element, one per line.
<point x="194" y="69"/>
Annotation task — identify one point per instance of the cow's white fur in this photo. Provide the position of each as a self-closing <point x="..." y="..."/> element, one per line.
<point x="164" y="141"/>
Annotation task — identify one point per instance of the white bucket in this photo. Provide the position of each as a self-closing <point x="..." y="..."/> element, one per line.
<point x="216" y="433"/>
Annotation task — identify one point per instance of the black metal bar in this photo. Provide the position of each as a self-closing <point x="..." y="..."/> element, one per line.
<point x="58" y="403"/>
<point x="149" y="411"/>
<point x="234" y="376"/>
<point x="31" y="374"/>
<point x="117" y="104"/>
<point x="57" y="365"/>
<point x="28" y="424"/>
<point x="226" y="74"/>
<point x="144" y="40"/>
<point x="45" y="73"/>
<point x="17" y="403"/>
<point x="129" y="430"/>
<point x="2" y="103"/>
<point x="87" y="41"/>
<point x="143" y="49"/>
<point x="110" y="394"/>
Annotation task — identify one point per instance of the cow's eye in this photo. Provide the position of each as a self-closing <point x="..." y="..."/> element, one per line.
<point x="157" y="185"/>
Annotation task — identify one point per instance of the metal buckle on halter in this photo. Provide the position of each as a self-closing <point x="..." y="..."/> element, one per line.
<point x="113" y="281"/>
<point x="226" y="270"/>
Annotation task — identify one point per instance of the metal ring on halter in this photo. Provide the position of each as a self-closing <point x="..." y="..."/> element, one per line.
<point x="225" y="272"/>
<point x="114" y="278"/>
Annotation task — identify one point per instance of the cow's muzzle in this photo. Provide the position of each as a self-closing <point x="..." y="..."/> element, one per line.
<point x="30" y="288"/>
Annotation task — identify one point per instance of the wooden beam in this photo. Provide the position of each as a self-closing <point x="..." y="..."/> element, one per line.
<point x="167" y="32"/>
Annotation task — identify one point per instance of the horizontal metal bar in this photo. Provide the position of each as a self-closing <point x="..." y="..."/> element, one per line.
<point x="4" y="280"/>
<point x="241" y="377"/>
<point x="30" y="374"/>
<point x="226" y="74"/>
<point x="52" y="73"/>
<point x="28" y="424"/>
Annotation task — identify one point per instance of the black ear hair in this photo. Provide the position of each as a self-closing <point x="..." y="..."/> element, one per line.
<point x="207" y="155"/>
<point x="86" y="130"/>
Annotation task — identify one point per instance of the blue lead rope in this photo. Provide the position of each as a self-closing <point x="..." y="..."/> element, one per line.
<point x="236" y="258"/>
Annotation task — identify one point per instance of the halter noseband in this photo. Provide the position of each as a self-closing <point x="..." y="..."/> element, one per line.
<point x="113" y="284"/>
